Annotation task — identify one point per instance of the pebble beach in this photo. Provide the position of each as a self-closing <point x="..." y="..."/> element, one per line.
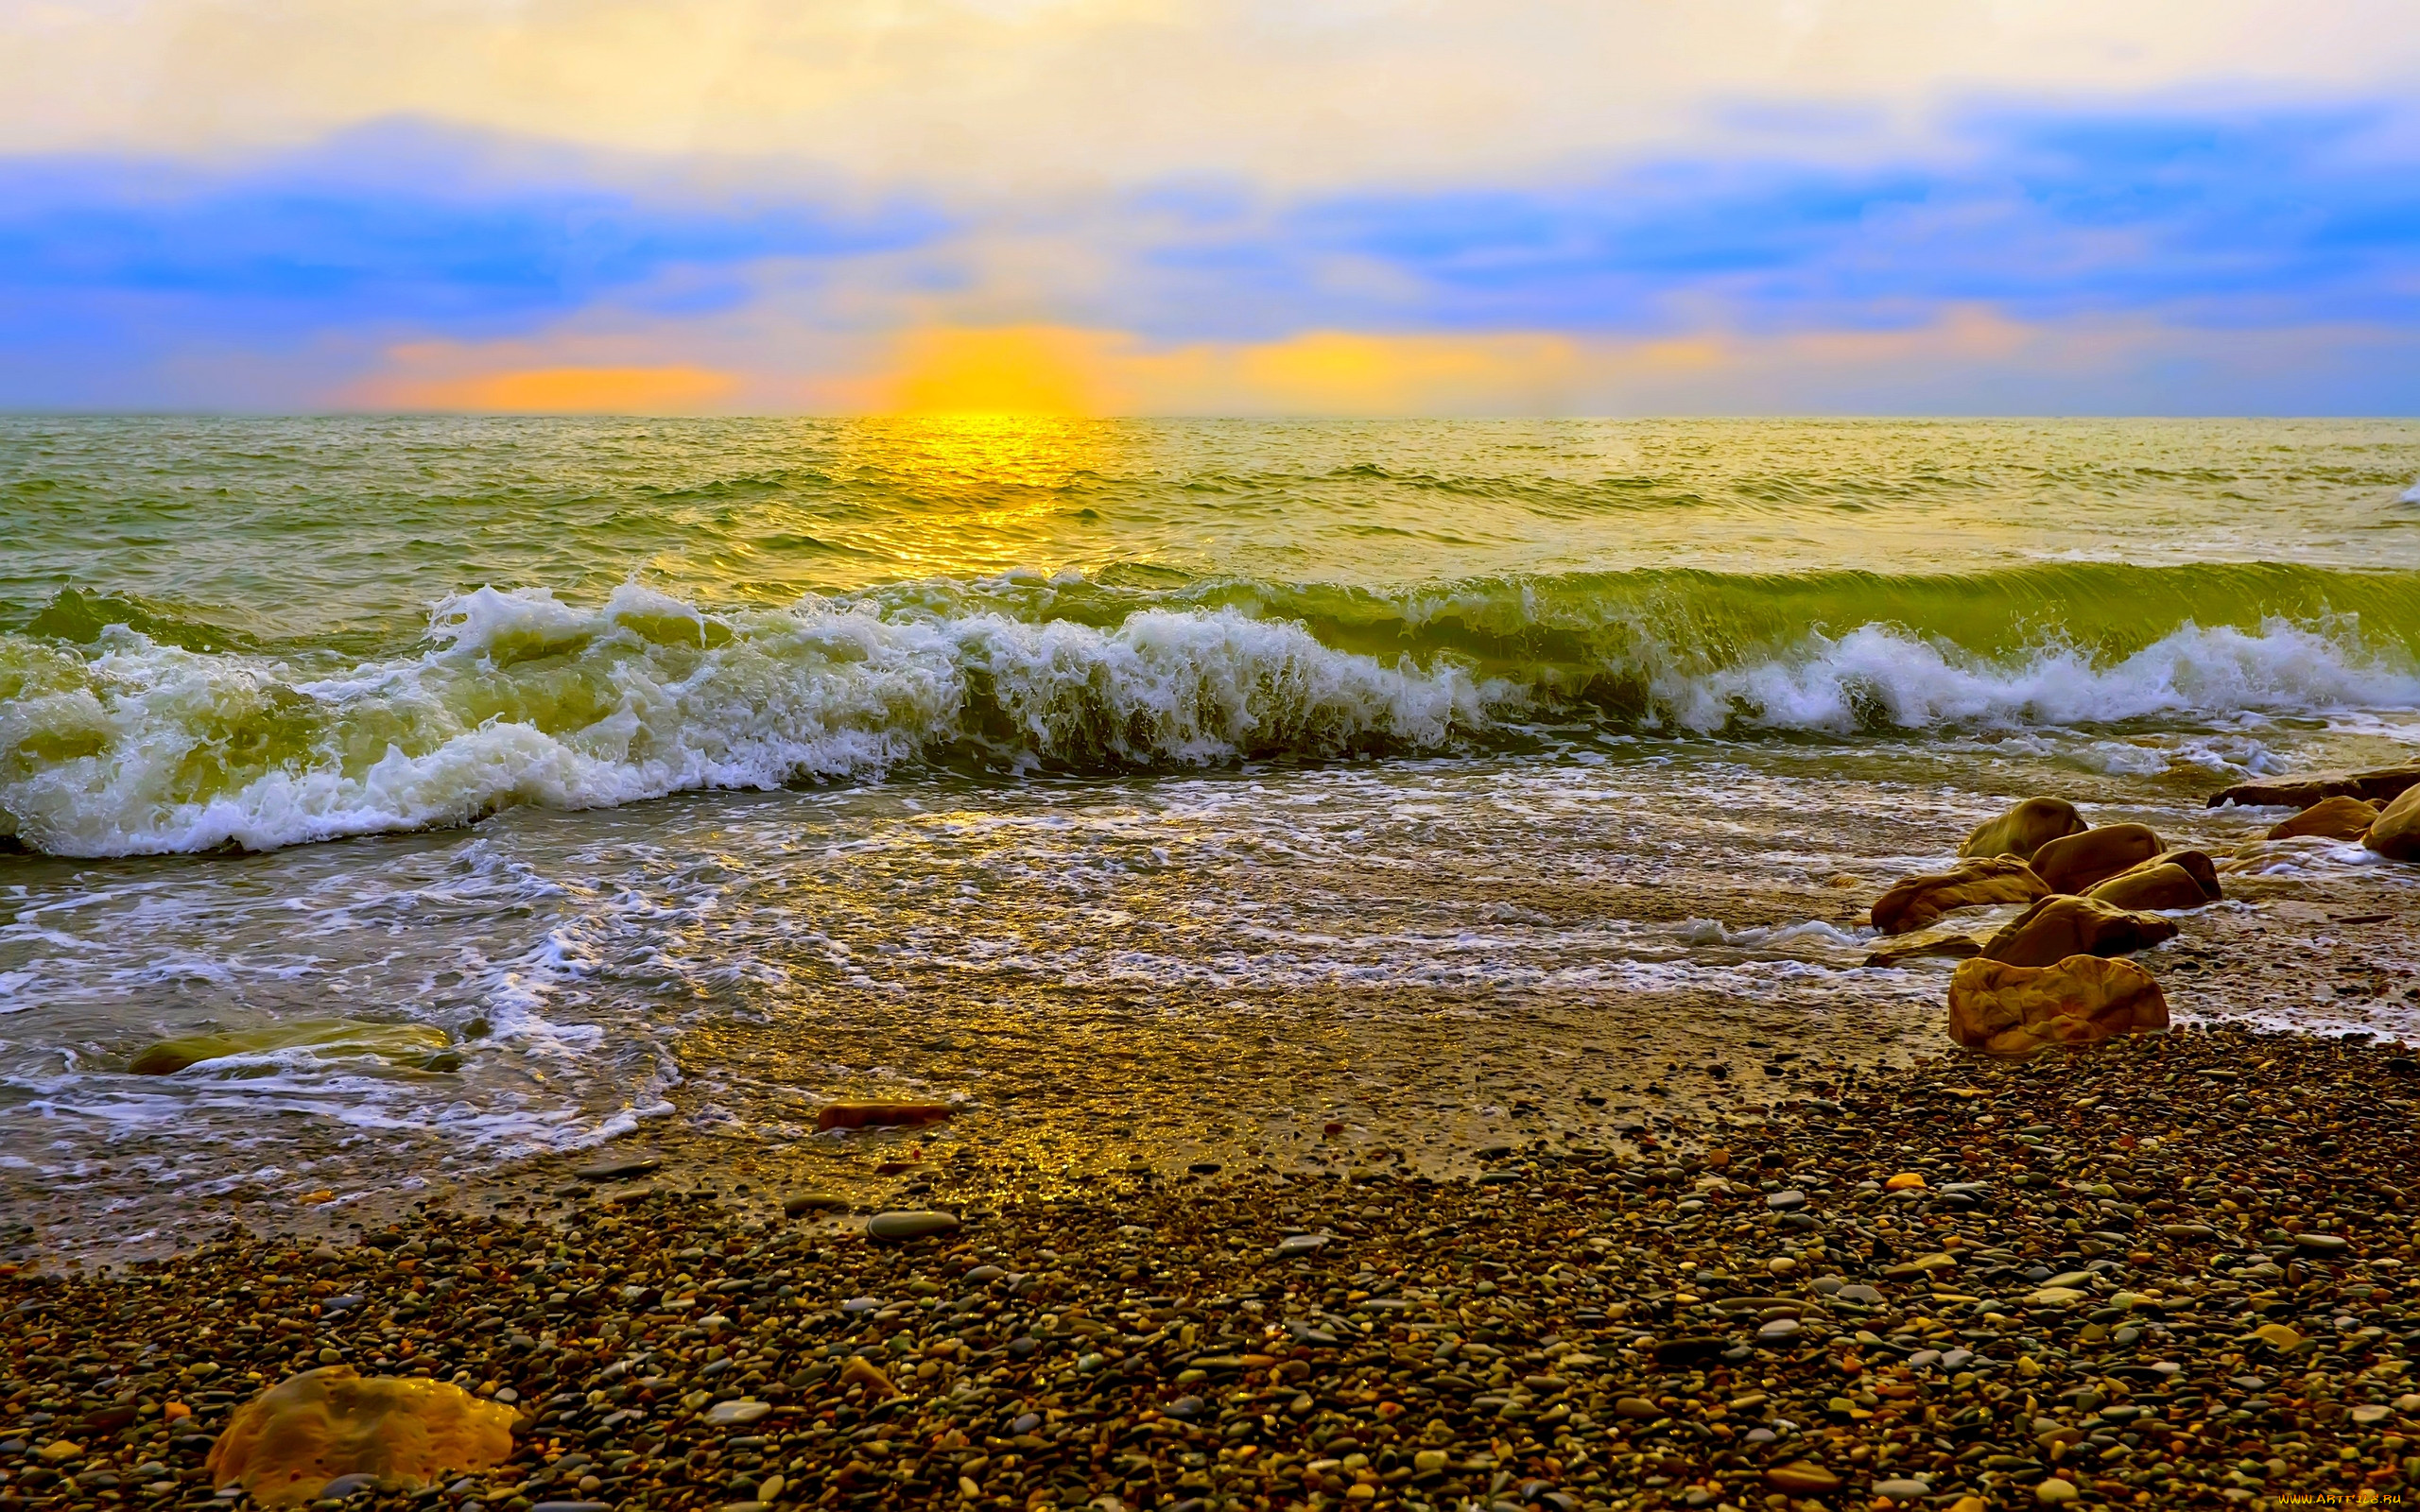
<point x="2175" y="1270"/>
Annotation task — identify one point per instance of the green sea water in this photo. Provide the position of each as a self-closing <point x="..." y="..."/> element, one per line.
<point x="261" y="632"/>
<point x="487" y="787"/>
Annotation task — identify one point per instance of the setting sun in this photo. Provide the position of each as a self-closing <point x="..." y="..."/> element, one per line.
<point x="1016" y="370"/>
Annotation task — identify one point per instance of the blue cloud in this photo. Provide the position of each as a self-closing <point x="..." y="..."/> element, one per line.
<point x="400" y="229"/>
<point x="131" y="282"/>
<point x="2275" y="218"/>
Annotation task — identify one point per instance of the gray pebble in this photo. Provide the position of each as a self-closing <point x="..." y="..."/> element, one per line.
<point x="909" y="1225"/>
<point x="620" y="1170"/>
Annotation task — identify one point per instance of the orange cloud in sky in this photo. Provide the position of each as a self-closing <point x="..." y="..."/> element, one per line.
<point x="569" y="390"/>
<point x="1345" y="373"/>
<point x="1073" y="370"/>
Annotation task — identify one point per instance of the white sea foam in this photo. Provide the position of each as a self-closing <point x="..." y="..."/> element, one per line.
<point x="2412" y="495"/>
<point x="520" y="698"/>
<point x="1878" y="675"/>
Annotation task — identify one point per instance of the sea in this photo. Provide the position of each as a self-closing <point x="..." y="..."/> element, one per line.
<point x="409" y="797"/>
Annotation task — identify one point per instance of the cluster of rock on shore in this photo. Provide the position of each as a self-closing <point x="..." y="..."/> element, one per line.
<point x="2178" y="1272"/>
<point x="2051" y="976"/>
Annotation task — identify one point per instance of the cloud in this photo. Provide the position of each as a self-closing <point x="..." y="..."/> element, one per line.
<point x="1042" y="97"/>
<point x="674" y="390"/>
<point x="1968" y="359"/>
<point x="2207" y="219"/>
<point x="421" y="264"/>
<point x="117" y="273"/>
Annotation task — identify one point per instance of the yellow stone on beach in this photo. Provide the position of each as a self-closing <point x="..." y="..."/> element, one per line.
<point x="1905" y="1180"/>
<point x="287" y="1443"/>
<point x="326" y="1039"/>
<point x="2278" y="1336"/>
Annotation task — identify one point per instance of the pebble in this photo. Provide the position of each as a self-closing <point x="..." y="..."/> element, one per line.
<point x="878" y="1115"/>
<point x="622" y="1169"/>
<point x="799" y="1204"/>
<point x="1120" y="1347"/>
<point x="915" y="1225"/>
<point x="1800" y="1475"/>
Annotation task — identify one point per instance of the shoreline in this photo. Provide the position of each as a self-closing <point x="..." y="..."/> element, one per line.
<point x="1415" y="1081"/>
<point x="1558" y="1333"/>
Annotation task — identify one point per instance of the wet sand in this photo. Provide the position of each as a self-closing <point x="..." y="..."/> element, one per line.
<point x="1060" y="1089"/>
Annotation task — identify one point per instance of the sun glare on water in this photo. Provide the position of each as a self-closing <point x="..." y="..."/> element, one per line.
<point x="980" y="493"/>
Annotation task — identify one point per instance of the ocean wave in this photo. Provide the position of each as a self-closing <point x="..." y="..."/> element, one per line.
<point x="2412" y="495"/>
<point x="122" y="744"/>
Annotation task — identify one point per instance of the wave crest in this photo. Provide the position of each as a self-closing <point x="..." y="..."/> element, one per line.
<point x="145" y="748"/>
<point x="129" y="746"/>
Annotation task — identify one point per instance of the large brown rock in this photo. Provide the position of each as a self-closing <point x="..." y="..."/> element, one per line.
<point x="2005" y="1010"/>
<point x="2024" y="828"/>
<point x="2056" y="928"/>
<point x="2342" y="818"/>
<point x="2395" y="832"/>
<point x="2165" y="885"/>
<point x="2075" y="862"/>
<point x="287" y="1443"/>
<point x="2381" y="784"/>
<point x="1913" y="902"/>
<point x="2195" y="864"/>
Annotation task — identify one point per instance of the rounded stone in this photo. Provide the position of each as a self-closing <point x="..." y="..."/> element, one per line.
<point x="894" y="1226"/>
<point x="1802" y="1476"/>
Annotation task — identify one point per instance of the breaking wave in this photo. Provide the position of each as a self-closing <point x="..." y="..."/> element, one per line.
<point x="125" y="738"/>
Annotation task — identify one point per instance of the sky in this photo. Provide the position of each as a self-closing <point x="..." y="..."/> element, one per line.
<point x="1598" y="207"/>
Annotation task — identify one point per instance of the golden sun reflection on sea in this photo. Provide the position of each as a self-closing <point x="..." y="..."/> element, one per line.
<point x="985" y="493"/>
